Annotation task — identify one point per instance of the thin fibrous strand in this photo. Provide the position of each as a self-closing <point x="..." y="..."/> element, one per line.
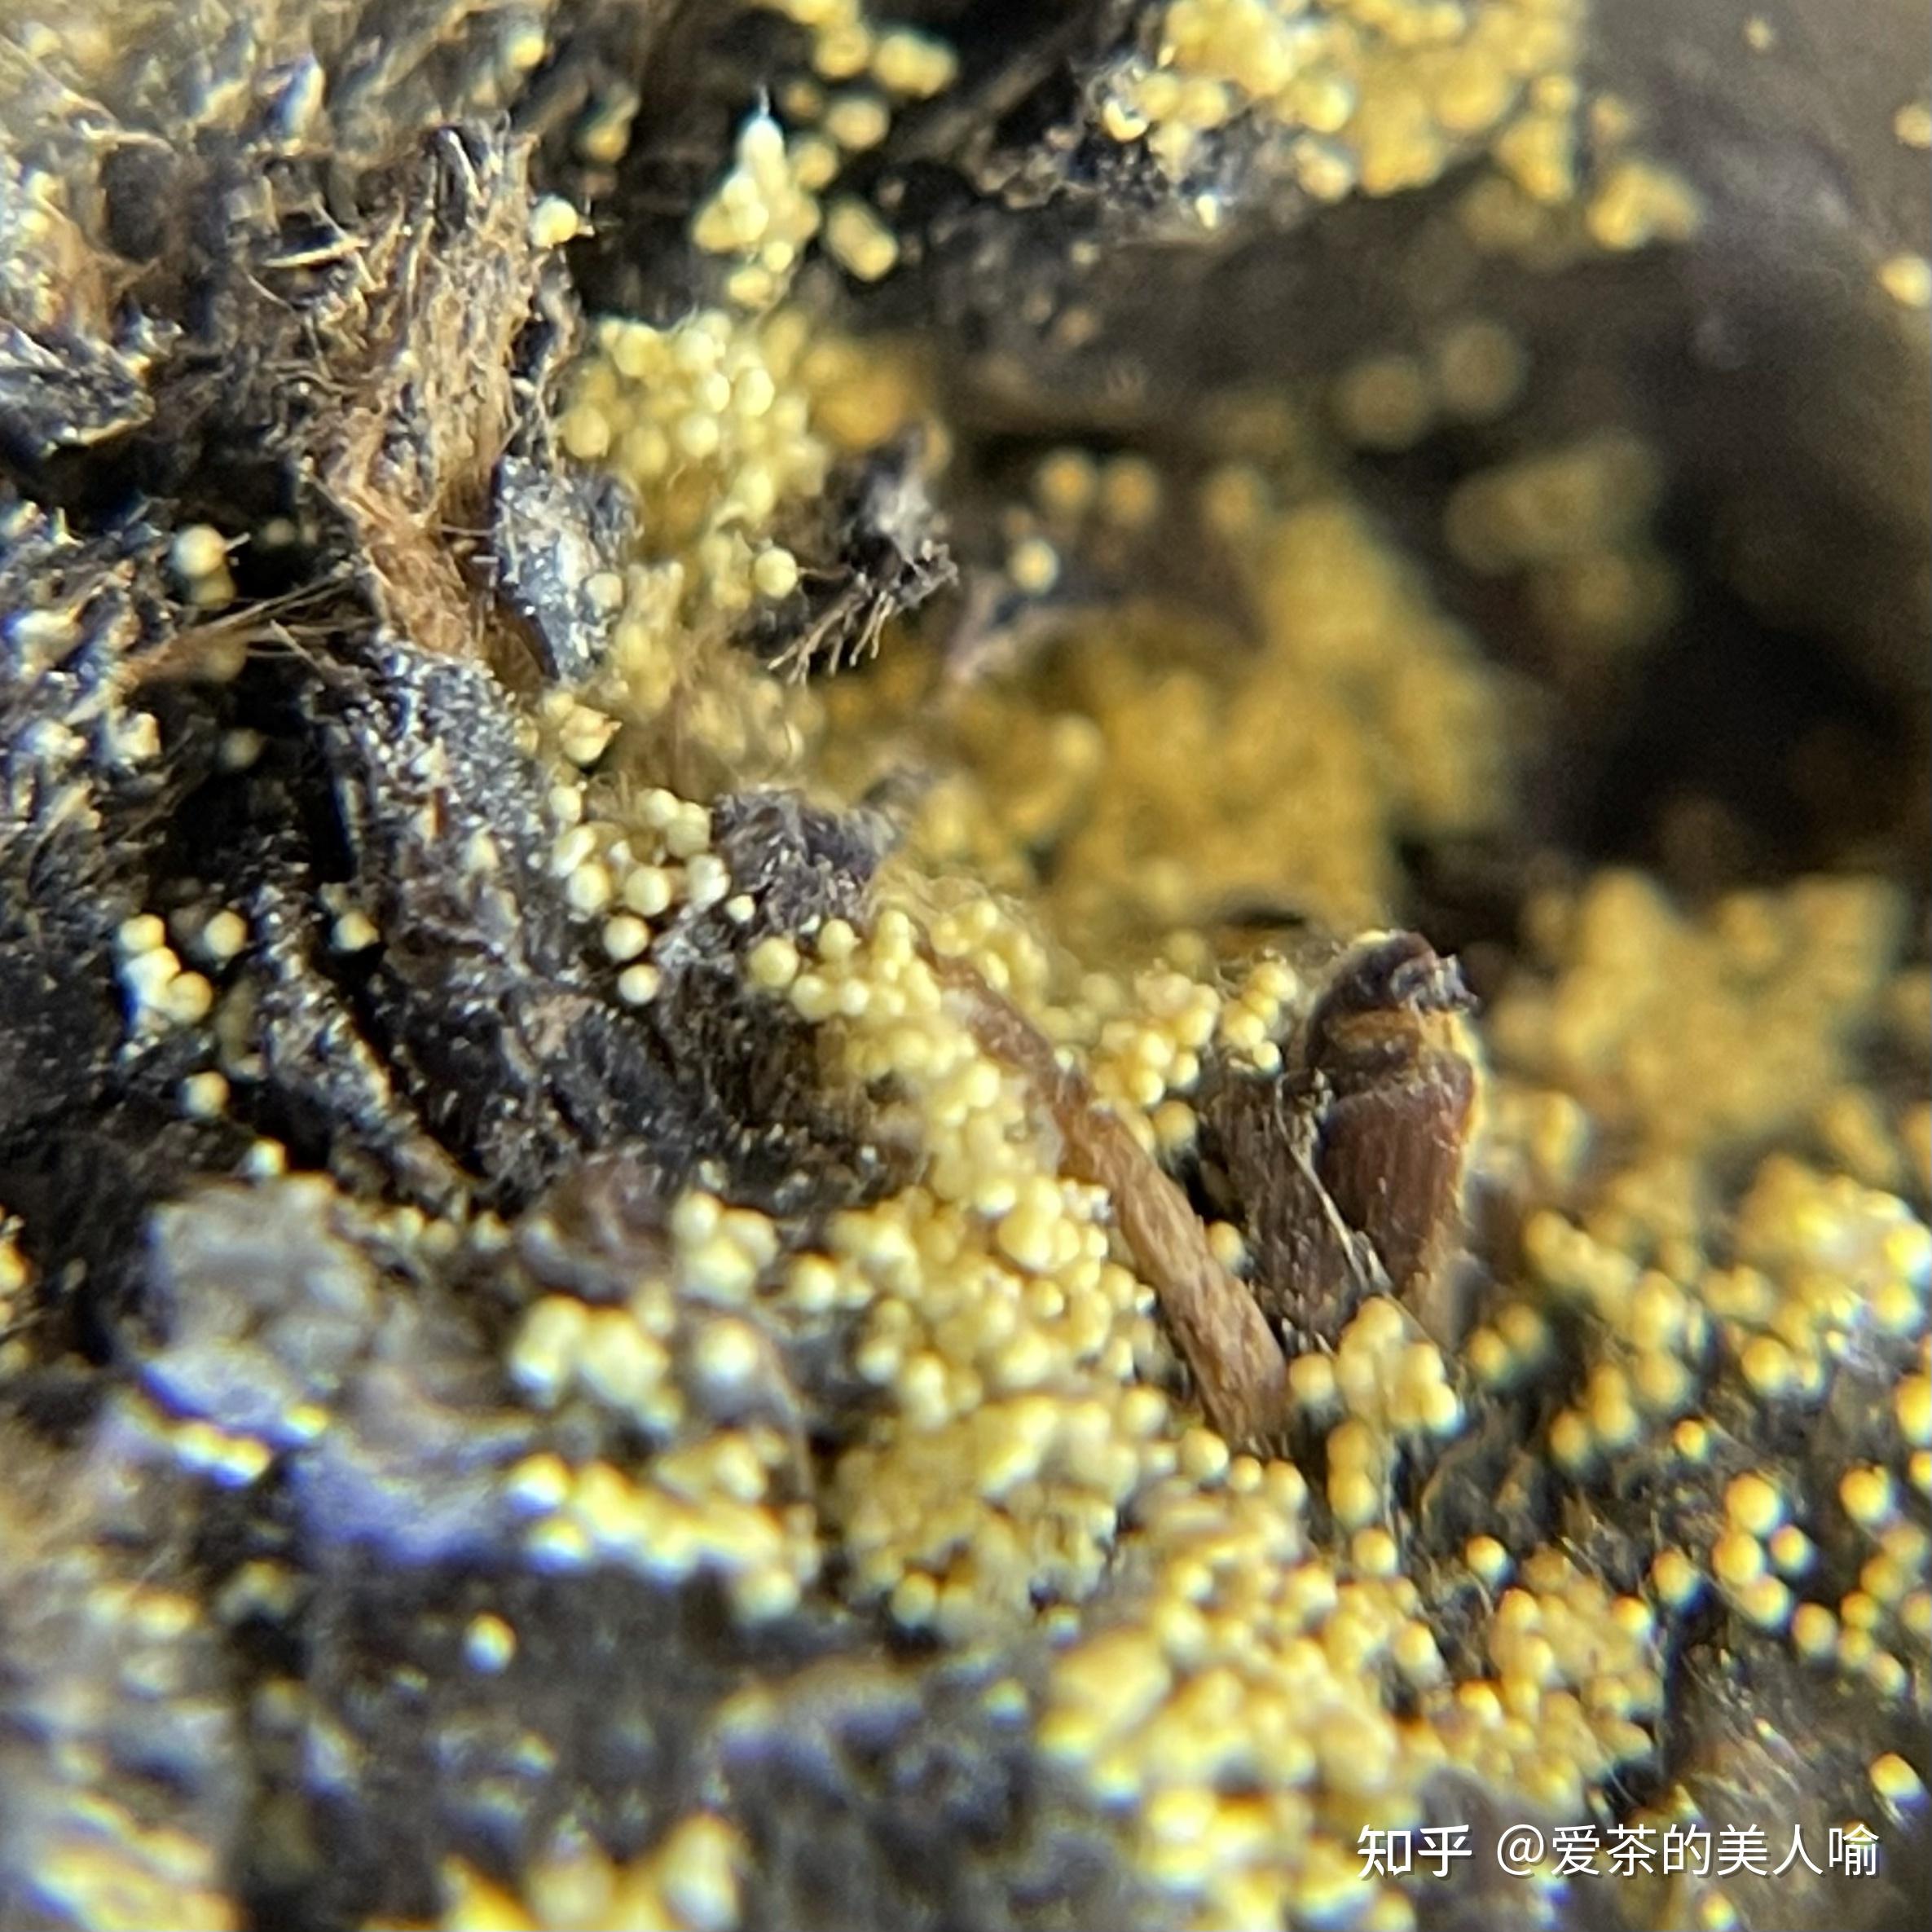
<point x="1237" y="1363"/>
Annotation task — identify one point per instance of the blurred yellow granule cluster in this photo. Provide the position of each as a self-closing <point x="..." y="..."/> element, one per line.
<point x="1385" y="1382"/>
<point x="1378" y="97"/>
<point x="847" y="44"/>
<point x="1572" y="523"/>
<point x="1815" y="1261"/>
<point x="1139" y="790"/>
<point x="101" y="1858"/>
<point x="688" y="1881"/>
<point x="1690" y="1033"/>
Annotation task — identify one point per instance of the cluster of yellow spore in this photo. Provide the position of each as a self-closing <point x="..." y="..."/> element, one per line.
<point x="1821" y="1264"/>
<point x="725" y="424"/>
<point x="1878" y="1630"/>
<point x="1763" y="1557"/>
<point x="1825" y="1266"/>
<point x="1098" y="506"/>
<point x="17" y="1274"/>
<point x="1783" y="1328"/>
<point x="1385" y="1382"/>
<point x="1574" y="523"/>
<point x="1009" y="1345"/>
<point x="199" y="558"/>
<point x="767" y="210"/>
<point x="632" y="864"/>
<point x="230" y="1458"/>
<point x="1374" y="99"/>
<point x="1693" y="1033"/>
<point x="688" y="1881"/>
<point x="1148" y="1059"/>
<point x="1472" y="371"/>
<point x="848" y="45"/>
<point x="761" y="213"/>
<point x="1258" y="1012"/>
<point x="1667" y="1041"/>
<point x="160" y="992"/>
<point x="622" y="1357"/>
<point x="689" y="1360"/>
<point x="1648" y="1339"/>
<point x="710" y="421"/>
<point x="1148" y="779"/>
<point x="1536" y="204"/>
<point x="699" y="1511"/>
<point x="1378" y="97"/>
<point x="165" y="997"/>
<point x="1576" y="1676"/>
<point x="1245" y="1716"/>
<point x="1511" y="1345"/>
<point x="1883" y="1626"/>
<point x="1242" y="1717"/>
<point x="1140" y="1039"/>
<point x="1758" y="1550"/>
